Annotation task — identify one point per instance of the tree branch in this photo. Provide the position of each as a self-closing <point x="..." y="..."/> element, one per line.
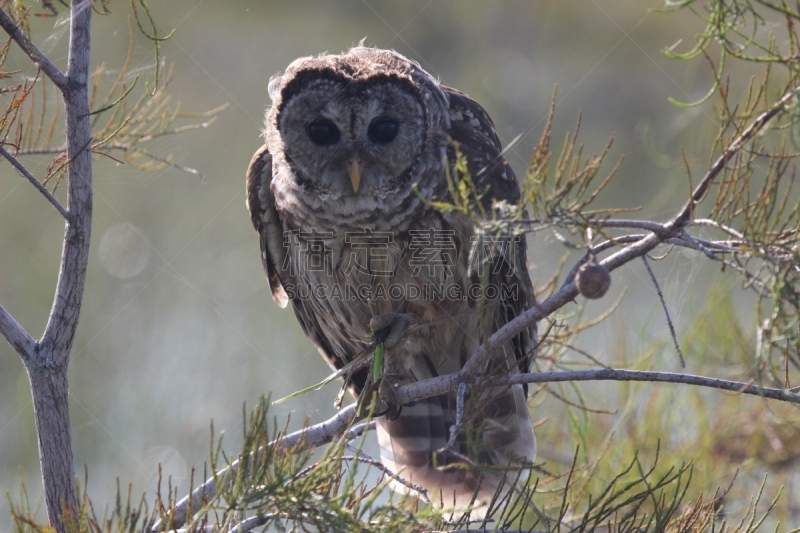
<point x="36" y="183"/>
<point x="36" y="55"/>
<point x="16" y="335"/>
<point x="443" y="384"/>
<point x="251" y="523"/>
<point x="567" y="293"/>
<point x="63" y="321"/>
<point x="122" y="148"/>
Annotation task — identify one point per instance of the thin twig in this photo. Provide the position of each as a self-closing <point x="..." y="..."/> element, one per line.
<point x="455" y="429"/>
<point x="36" y="183"/>
<point x="122" y="148"/>
<point x="253" y="522"/>
<point x="666" y="311"/>
<point x="206" y="529"/>
<point x="709" y="248"/>
<point x="154" y="157"/>
<point x="364" y="458"/>
<point x="358" y="430"/>
<point x="715" y="224"/>
<point x="599" y="222"/>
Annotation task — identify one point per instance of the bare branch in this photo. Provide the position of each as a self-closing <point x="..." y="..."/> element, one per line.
<point x="628" y="223"/>
<point x="599" y="222"/>
<point x="36" y="183"/>
<point x="79" y="45"/>
<point x="135" y="150"/>
<point x="567" y="293"/>
<point x="16" y="335"/>
<point x="608" y="374"/>
<point x="715" y="224"/>
<point x="36" y="55"/>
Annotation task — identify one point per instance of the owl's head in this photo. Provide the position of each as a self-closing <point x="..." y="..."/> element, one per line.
<point x="359" y="123"/>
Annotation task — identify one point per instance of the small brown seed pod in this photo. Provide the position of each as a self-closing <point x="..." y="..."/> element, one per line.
<point x="593" y="280"/>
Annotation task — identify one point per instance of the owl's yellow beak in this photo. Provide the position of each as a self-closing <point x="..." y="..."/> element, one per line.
<point x="354" y="172"/>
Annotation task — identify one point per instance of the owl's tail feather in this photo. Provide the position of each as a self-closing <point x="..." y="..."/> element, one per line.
<point x="497" y="433"/>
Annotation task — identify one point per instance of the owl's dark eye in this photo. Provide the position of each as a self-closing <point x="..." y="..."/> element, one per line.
<point x="383" y="131"/>
<point x="322" y="132"/>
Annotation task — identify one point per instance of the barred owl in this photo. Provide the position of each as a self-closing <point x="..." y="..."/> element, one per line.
<point x="362" y="150"/>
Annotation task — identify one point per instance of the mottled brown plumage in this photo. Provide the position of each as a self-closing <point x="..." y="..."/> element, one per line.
<point x="357" y="146"/>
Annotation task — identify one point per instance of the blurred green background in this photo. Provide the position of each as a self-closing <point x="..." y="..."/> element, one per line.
<point x="178" y="327"/>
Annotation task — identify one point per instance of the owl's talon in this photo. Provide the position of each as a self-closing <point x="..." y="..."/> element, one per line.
<point x="390" y="411"/>
<point x="386" y="392"/>
<point x="394" y="413"/>
<point x="391" y="328"/>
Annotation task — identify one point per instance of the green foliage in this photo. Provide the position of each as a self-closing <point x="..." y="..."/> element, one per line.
<point x="123" y="121"/>
<point x="562" y="192"/>
<point x="297" y="489"/>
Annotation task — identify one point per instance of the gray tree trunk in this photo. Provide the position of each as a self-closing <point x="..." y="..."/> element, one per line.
<point x="47" y="360"/>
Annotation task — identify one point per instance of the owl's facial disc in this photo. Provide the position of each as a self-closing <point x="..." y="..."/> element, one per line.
<point x="352" y="139"/>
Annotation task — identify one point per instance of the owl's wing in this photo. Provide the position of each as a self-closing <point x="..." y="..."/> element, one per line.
<point x="261" y="204"/>
<point x="473" y="132"/>
<point x="267" y="222"/>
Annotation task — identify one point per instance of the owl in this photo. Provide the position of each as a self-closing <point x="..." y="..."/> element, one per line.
<point x="349" y="196"/>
